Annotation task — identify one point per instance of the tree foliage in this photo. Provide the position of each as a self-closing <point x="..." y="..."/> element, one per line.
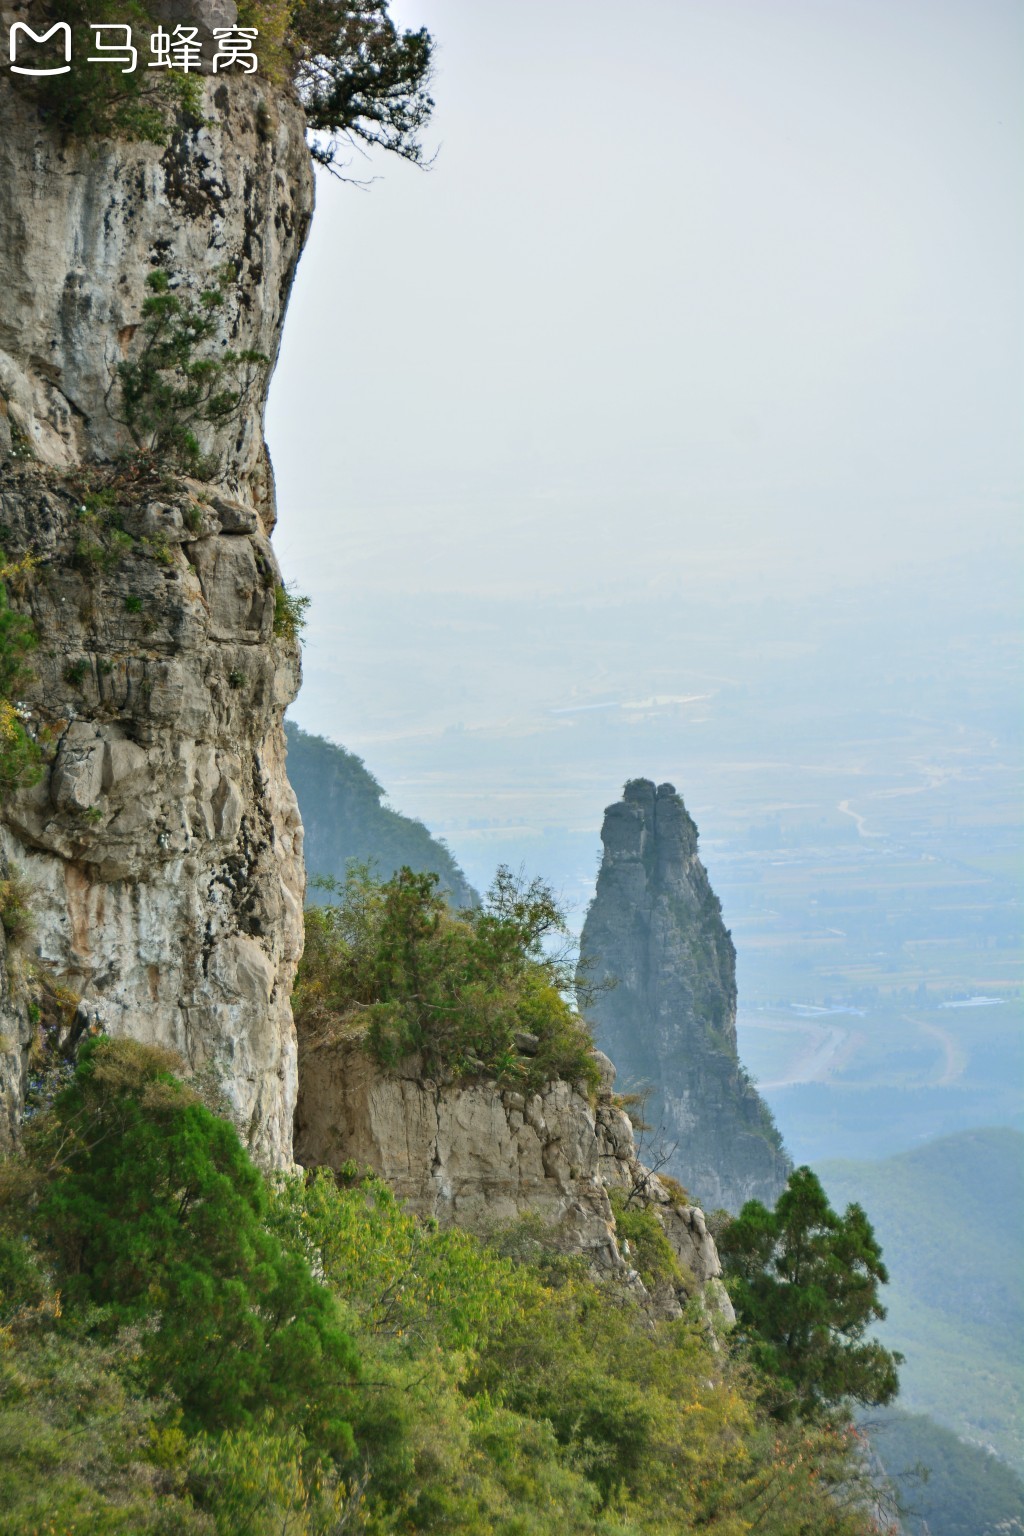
<point x="392" y="961"/>
<point x="21" y="761"/>
<point x="88" y="103"/>
<point x="180" y="379"/>
<point x="358" y="75"/>
<point x="150" y="1204"/>
<point x="650" y="1251"/>
<point x="805" y="1282"/>
<point x="178" y="1338"/>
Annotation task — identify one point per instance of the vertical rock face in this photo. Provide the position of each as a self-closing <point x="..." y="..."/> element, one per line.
<point x="163" y="846"/>
<point x="655" y="929"/>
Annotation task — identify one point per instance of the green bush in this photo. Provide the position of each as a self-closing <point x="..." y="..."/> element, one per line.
<point x="289" y="612"/>
<point x="653" y="1255"/>
<point x="182" y="376"/>
<point x="76" y="672"/>
<point x="21" y="761"/>
<point x="15" y="910"/>
<point x="393" y="962"/>
<point x="153" y="1204"/>
<point x="90" y="103"/>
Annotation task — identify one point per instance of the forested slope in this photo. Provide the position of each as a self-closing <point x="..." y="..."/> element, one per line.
<point x="346" y="821"/>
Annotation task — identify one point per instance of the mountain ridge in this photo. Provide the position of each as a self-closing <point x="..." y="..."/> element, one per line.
<point x="956" y="1312"/>
<point x="346" y="821"/>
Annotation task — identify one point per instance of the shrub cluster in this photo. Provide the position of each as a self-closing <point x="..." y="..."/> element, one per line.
<point x="184" y="1348"/>
<point x="652" y="1254"/>
<point x="464" y="990"/>
<point x="21" y="761"/>
<point x="289" y="612"/>
<point x="179" y="380"/>
<point x="89" y="103"/>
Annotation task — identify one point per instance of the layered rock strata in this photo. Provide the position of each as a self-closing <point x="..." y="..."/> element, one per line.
<point x="480" y="1156"/>
<point x="657" y="951"/>
<point x="162" y="846"/>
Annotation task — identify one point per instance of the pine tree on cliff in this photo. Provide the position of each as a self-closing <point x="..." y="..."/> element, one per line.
<point x="805" y="1282"/>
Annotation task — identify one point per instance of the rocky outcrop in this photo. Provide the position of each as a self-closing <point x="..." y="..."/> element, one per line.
<point x="480" y="1156"/>
<point x="654" y="932"/>
<point x="163" y="844"/>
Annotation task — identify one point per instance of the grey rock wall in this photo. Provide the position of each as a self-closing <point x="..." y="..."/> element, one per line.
<point x="655" y="931"/>
<point x="479" y="1156"/>
<point x="83" y="225"/>
<point x="163" y="846"/>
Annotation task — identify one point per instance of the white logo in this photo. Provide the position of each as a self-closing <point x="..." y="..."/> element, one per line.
<point x="58" y="26"/>
<point x="234" y="46"/>
<point x="182" y="51"/>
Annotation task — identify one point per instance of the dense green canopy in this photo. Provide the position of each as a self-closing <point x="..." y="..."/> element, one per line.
<point x="153" y="1206"/>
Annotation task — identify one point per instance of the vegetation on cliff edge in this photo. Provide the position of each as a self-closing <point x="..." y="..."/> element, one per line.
<point x="21" y="762"/>
<point x="185" y="1347"/>
<point x="470" y="992"/>
<point x="359" y="77"/>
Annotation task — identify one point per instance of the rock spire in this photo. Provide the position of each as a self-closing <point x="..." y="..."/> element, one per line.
<point x="655" y="930"/>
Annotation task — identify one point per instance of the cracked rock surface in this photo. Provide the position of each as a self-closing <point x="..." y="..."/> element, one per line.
<point x="163" y="846"/>
<point x="480" y="1156"/>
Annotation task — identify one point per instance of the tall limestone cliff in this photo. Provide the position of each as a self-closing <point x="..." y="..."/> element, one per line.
<point x="655" y="932"/>
<point x="162" y="848"/>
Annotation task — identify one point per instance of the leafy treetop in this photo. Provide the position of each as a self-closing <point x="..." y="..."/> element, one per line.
<point x="151" y="1203"/>
<point x="805" y="1282"/>
<point x="358" y="75"/>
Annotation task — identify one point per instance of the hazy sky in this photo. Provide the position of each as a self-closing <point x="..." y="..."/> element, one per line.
<point x="724" y="291"/>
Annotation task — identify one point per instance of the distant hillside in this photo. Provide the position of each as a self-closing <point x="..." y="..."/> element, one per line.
<point x="344" y="818"/>
<point x="950" y="1218"/>
<point x="967" y="1492"/>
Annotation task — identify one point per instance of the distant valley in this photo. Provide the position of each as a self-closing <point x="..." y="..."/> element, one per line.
<point x="849" y="760"/>
<point x="950" y="1218"/>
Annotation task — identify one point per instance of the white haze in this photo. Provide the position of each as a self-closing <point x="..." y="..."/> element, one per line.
<point x="712" y="304"/>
